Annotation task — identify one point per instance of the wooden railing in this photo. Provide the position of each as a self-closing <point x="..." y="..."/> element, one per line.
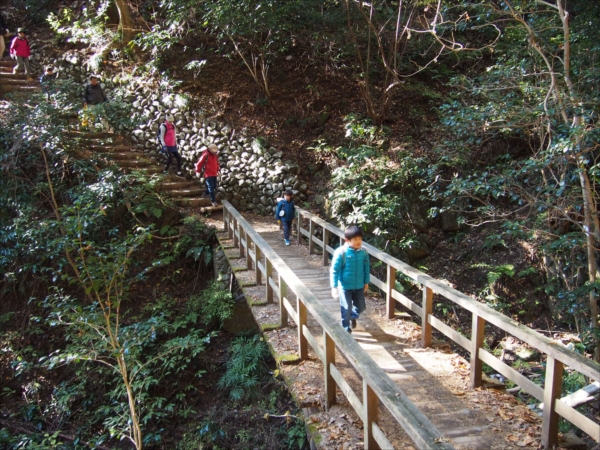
<point x="377" y="386"/>
<point x="557" y="355"/>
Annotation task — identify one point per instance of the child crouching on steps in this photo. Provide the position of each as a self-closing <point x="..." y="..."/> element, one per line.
<point x="350" y="270"/>
<point x="286" y="212"/>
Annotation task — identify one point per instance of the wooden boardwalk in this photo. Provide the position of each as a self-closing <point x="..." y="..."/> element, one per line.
<point x="417" y="372"/>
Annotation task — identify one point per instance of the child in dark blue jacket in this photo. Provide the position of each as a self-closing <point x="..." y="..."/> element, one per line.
<point x="350" y="270"/>
<point x="286" y="213"/>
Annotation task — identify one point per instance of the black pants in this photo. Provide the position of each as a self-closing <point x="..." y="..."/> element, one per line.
<point x="172" y="151"/>
<point x="287" y="229"/>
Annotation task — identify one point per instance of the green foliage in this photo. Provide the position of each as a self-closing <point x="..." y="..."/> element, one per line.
<point x="245" y="365"/>
<point x="372" y="189"/>
<point x="214" y="305"/>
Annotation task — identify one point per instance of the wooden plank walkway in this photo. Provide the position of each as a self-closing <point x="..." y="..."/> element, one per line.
<point x="418" y="372"/>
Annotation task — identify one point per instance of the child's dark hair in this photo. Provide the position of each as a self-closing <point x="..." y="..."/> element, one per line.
<point x="288" y="192"/>
<point x="352" y="231"/>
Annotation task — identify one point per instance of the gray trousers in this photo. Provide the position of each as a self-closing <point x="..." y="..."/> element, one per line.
<point x="23" y="63"/>
<point x="2" y="46"/>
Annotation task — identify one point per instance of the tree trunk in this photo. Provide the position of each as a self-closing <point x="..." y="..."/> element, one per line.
<point x="126" y="23"/>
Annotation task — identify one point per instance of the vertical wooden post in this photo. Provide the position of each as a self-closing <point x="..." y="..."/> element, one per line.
<point x="225" y="221"/>
<point x="241" y="230"/>
<point x="552" y="391"/>
<point x="370" y="415"/>
<point x="427" y="309"/>
<point x="390" y="304"/>
<point x="325" y="244"/>
<point x="302" y="315"/>
<point x="477" y="334"/>
<point x="248" y="254"/>
<point x="299" y="228"/>
<point x="269" y="270"/>
<point x="235" y="233"/>
<point x="258" y="257"/>
<point x="330" y="386"/>
<point x="282" y="309"/>
<point x="311" y="233"/>
<point x="230" y="228"/>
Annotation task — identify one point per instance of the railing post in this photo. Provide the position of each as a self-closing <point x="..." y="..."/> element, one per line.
<point x="552" y="391"/>
<point x="248" y="256"/>
<point x="241" y="230"/>
<point x="330" y="386"/>
<point x="235" y="233"/>
<point x="302" y="316"/>
<point x="390" y="304"/>
<point x="370" y="415"/>
<point x="477" y="335"/>
<point x="257" y="258"/>
<point x="311" y="232"/>
<point x="269" y="271"/>
<point x="225" y="222"/>
<point x="283" y="313"/>
<point x="427" y="310"/>
<point x="325" y="244"/>
<point x="299" y="228"/>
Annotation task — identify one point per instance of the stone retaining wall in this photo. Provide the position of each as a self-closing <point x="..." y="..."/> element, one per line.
<point x="254" y="175"/>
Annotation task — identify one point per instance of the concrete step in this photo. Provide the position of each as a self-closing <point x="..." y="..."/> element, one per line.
<point x="194" y="192"/>
<point x="123" y="156"/>
<point x="171" y="185"/>
<point x="150" y="170"/>
<point x="5" y="89"/>
<point x="17" y="81"/>
<point x="134" y="164"/>
<point x="11" y="76"/>
<point x="112" y="148"/>
<point x="192" y="202"/>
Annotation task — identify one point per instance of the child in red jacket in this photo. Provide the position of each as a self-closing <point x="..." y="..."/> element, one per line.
<point x="209" y="161"/>
<point x="19" y="49"/>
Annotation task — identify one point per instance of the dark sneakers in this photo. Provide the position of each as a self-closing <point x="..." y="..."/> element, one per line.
<point x="353" y="322"/>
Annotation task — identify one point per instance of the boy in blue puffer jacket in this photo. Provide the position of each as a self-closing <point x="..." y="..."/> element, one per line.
<point x="286" y="213"/>
<point x="350" y="269"/>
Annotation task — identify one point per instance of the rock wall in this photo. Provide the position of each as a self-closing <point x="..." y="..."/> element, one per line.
<point x="253" y="174"/>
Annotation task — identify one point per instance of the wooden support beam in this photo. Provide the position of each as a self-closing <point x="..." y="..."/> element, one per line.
<point x="299" y="229"/>
<point x="235" y="230"/>
<point x="370" y="416"/>
<point x="552" y="391"/>
<point x="311" y="233"/>
<point x="390" y="304"/>
<point x="249" y="253"/>
<point x="242" y="233"/>
<point x="330" y="386"/>
<point x="477" y="335"/>
<point x="225" y="222"/>
<point x="269" y="276"/>
<point x="282" y="309"/>
<point x="302" y="322"/>
<point x="258" y="254"/>
<point x="426" y="311"/>
<point x="325" y="244"/>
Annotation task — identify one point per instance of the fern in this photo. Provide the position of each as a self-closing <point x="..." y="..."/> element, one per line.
<point x="244" y="367"/>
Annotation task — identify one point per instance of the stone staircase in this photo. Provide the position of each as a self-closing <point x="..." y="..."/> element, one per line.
<point x="10" y="83"/>
<point x="185" y="192"/>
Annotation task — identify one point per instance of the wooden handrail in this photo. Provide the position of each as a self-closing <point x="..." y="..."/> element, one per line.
<point x="558" y="356"/>
<point x="377" y="386"/>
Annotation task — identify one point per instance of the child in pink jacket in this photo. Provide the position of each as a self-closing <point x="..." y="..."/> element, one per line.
<point x="19" y="49"/>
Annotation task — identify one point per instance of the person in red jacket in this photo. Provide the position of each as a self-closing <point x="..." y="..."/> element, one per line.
<point x="209" y="161"/>
<point x="19" y="48"/>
